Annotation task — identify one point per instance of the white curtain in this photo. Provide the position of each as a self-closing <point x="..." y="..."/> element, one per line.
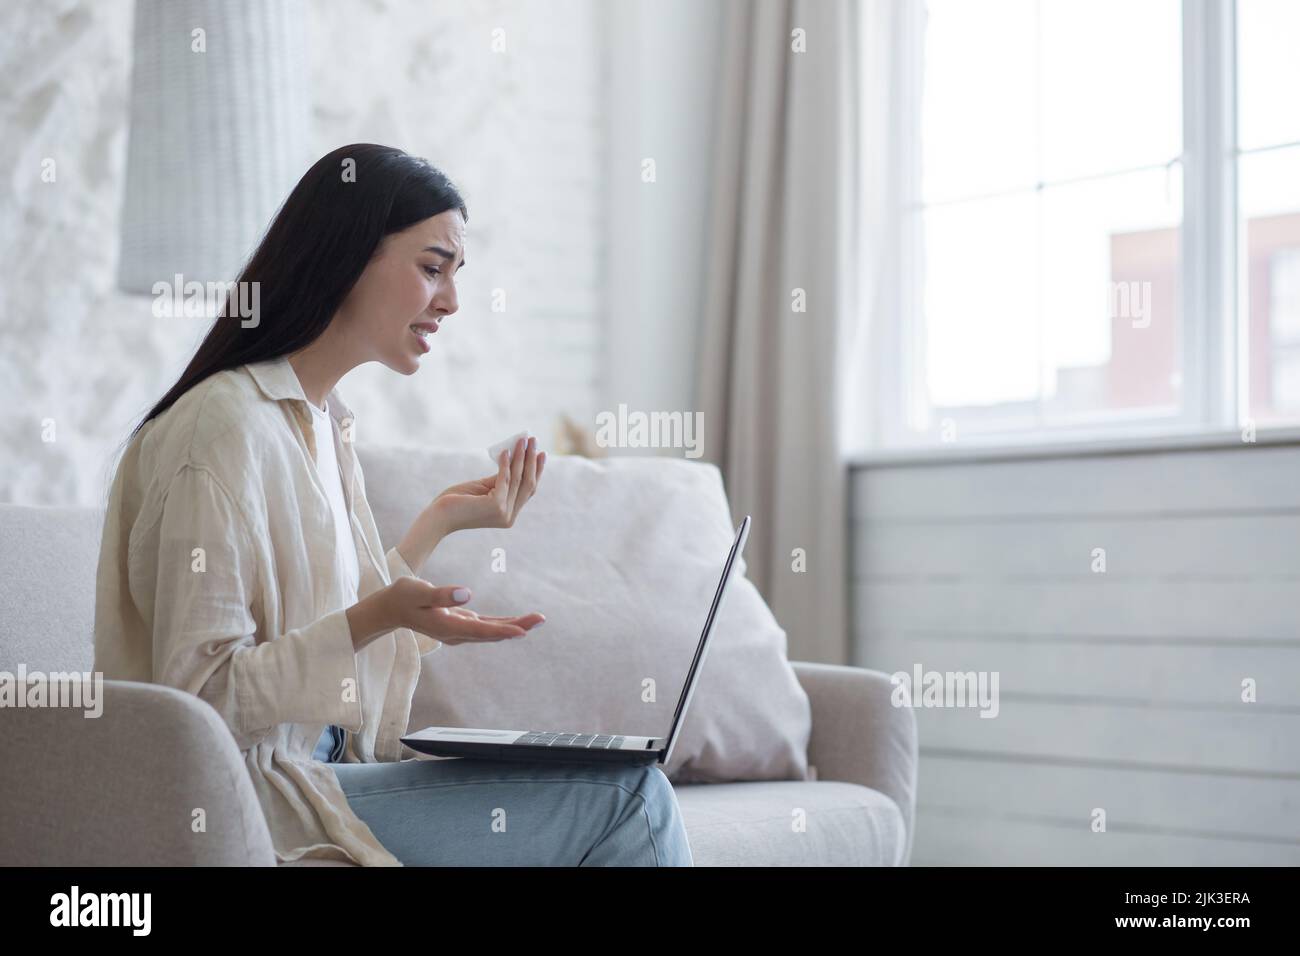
<point x="785" y="227"/>
<point x="891" y="42"/>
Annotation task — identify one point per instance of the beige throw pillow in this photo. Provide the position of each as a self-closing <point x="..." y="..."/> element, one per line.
<point x="623" y="556"/>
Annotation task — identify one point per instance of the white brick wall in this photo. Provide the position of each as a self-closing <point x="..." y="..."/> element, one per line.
<point x="522" y="133"/>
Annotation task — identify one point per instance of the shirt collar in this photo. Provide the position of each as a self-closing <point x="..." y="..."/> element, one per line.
<point x="279" y="382"/>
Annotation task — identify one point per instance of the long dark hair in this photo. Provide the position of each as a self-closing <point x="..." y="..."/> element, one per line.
<point x="314" y="251"/>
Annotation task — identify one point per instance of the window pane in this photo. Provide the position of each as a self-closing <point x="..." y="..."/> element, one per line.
<point x="1053" y="208"/>
<point x="1268" y="72"/>
<point x="1111" y="85"/>
<point x="977" y="106"/>
<point x="1055" y="308"/>
<point x="1111" y="281"/>
<point x="980" y="303"/>
<point x="1270" y="238"/>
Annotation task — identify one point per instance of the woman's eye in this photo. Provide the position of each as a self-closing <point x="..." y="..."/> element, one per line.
<point x="431" y="270"/>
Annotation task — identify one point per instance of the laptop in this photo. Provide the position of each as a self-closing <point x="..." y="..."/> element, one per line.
<point x="580" y="747"/>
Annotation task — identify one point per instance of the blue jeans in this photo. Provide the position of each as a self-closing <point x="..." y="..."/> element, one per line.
<point x="513" y="813"/>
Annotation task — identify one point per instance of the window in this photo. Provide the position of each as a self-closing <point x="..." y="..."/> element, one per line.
<point x="1102" y="232"/>
<point x="1268" y="164"/>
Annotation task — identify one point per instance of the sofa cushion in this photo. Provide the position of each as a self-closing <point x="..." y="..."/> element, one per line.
<point x="791" y="824"/>
<point x="785" y="823"/>
<point x="623" y="556"/>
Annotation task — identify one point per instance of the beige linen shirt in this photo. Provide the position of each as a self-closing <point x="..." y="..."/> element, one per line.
<point x="217" y="575"/>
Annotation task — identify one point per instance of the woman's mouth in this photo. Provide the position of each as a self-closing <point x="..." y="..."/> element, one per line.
<point x="422" y="330"/>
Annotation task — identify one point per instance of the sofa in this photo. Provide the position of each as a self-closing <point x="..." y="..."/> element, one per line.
<point x="91" y="792"/>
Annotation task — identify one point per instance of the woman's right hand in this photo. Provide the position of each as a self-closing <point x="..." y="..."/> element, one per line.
<point x="436" y="611"/>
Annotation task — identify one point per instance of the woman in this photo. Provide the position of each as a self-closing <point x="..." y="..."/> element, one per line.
<point x="241" y="562"/>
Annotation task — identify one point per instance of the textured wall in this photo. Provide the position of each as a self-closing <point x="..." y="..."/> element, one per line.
<point x="522" y="133"/>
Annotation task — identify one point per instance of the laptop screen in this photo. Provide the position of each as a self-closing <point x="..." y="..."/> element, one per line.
<point x="689" y="689"/>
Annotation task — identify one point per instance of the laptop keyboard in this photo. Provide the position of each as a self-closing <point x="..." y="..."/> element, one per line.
<point x="542" y="738"/>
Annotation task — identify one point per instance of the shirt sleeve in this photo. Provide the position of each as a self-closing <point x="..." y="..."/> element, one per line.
<point x="205" y="636"/>
<point x="397" y="567"/>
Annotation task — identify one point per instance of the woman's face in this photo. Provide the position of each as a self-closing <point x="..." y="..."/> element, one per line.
<point x="409" y="285"/>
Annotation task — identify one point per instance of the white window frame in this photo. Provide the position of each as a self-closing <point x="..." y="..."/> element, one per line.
<point x="1213" y="285"/>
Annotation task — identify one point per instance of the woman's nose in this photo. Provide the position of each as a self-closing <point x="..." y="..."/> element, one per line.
<point x="445" y="302"/>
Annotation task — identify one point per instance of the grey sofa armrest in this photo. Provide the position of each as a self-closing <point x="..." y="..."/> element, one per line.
<point x="858" y="736"/>
<point x="122" y="789"/>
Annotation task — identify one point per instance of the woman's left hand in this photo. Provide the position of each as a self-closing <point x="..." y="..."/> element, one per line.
<point x="491" y="502"/>
<point x="494" y="501"/>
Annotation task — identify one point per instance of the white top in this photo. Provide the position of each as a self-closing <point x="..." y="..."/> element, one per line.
<point x="327" y="464"/>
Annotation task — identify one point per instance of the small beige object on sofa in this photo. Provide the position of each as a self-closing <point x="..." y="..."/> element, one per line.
<point x="779" y="763"/>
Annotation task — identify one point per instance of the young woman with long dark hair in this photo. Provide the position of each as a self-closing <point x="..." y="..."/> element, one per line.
<point x="241" y="562"/>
